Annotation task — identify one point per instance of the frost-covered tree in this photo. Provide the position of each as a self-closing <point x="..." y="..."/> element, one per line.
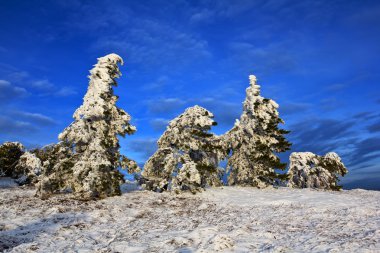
<point x="89" y="151"/>
<point x="308" y="170"/>
<point x="28" y="169"/>
<point x="255" y="140"/>
<point x="10" y="153"/>
<point x="57" y="162"/>
<point x="188" y="155"/>
<point x="23" y="166"/>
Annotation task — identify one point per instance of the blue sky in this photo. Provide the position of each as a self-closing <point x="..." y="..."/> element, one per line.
<point x="318" y="59"/>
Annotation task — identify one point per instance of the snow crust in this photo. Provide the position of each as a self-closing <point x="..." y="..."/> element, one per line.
<point x="228" y="219"/>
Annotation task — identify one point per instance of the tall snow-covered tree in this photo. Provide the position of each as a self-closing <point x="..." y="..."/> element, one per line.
<point x="89" y="166"/>
<point x="188" y="155"/>
<point x="255" y="140"/>
<point x="308" y="170"/>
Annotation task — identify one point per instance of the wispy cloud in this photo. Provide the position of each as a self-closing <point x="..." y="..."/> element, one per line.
<point x="336" y="86"/>
<point x="165" y="105"/>
<point x="221" y="9"/>
<point x="145" y="147"/>
<point x="375" y="127"/>
<point x="65" y="91"/>
<point x="11" y="126"/>
<point x="366" y="116"/>
<point x="32" y="85"/>
<point x="43" y="84"/>
<point x="21" y="125"/>
<point x="8" y="92"/>
<point x="35" y="118"/>
<point x="271" y="58"/>
<point x="148" y="39"/>
<point x="158" y="85"/>
<point x="156" y="44"/>
<point x="365" y="151"/>
<point x="294" y="108"/>
<point x="159" y="124"/>
<point x="322" y="135"/>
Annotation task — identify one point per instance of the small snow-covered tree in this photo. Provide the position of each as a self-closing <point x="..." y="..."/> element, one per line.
<point x="10" y="153"/>
<point x="188" y="155"/>
<point x="255" y="140"/>
<point x="90" y="143"/>
<point x="27" y="169"/>
<point x="308" y="170"/>
<point x="23" y="166"/>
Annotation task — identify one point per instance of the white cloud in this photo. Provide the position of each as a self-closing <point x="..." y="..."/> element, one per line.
<point x="165" y="105"/>
<point x="156" y="85"/>
<point x="159" y="124"/>
<point x="270" y="58"/>
<point x="35" y="118"/>
<point x="43" y="84"/>
<point x="156" y="44"/>
<point x="144" y="146"/>
<point x="65" y="91"/>
<point x="8" y="92"/>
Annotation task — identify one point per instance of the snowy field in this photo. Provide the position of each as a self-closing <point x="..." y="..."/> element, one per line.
<point x="227" y="219"/>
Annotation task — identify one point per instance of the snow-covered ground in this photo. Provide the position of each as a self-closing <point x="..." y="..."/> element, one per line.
<point x="227" y="219"/>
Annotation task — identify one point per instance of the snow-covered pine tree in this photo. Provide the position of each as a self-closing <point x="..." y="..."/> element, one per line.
<point x="188" y="155"/>
<point x="22" y="166"/>
<point x="308" y="170"/>
<point x="27" y="169"/>
<point x="90" y="145"/>
<point x="255" y="140"/>
<point x="57" y="173"/>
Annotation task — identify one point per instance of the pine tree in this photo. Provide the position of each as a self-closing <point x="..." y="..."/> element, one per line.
<point x="19" y="164"/>
<point x="188" y="155"/>
<point x="28" y="169"/>
<point x="308" y="170"/>
<point x="89" y="152"/>
<point x="255" y="140"/>
<point x="10" y="153"/>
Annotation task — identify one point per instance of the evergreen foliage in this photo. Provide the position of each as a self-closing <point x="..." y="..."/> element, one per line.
<point x="255" y="140"/>
<point x="28" y="169"/>
<point x="308" y="170"/>
<point x="188" y="155"/>
<point x="10" y="153"/>
<point x="87" y="160"/>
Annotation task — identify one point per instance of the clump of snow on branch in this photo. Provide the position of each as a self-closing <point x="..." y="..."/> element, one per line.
<point x="254" y="141"/>
<point x="188" y="178"/>
<point x="188" y="154"/>
<point x="91" y="145"/>
<point x="308" y="170"/>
